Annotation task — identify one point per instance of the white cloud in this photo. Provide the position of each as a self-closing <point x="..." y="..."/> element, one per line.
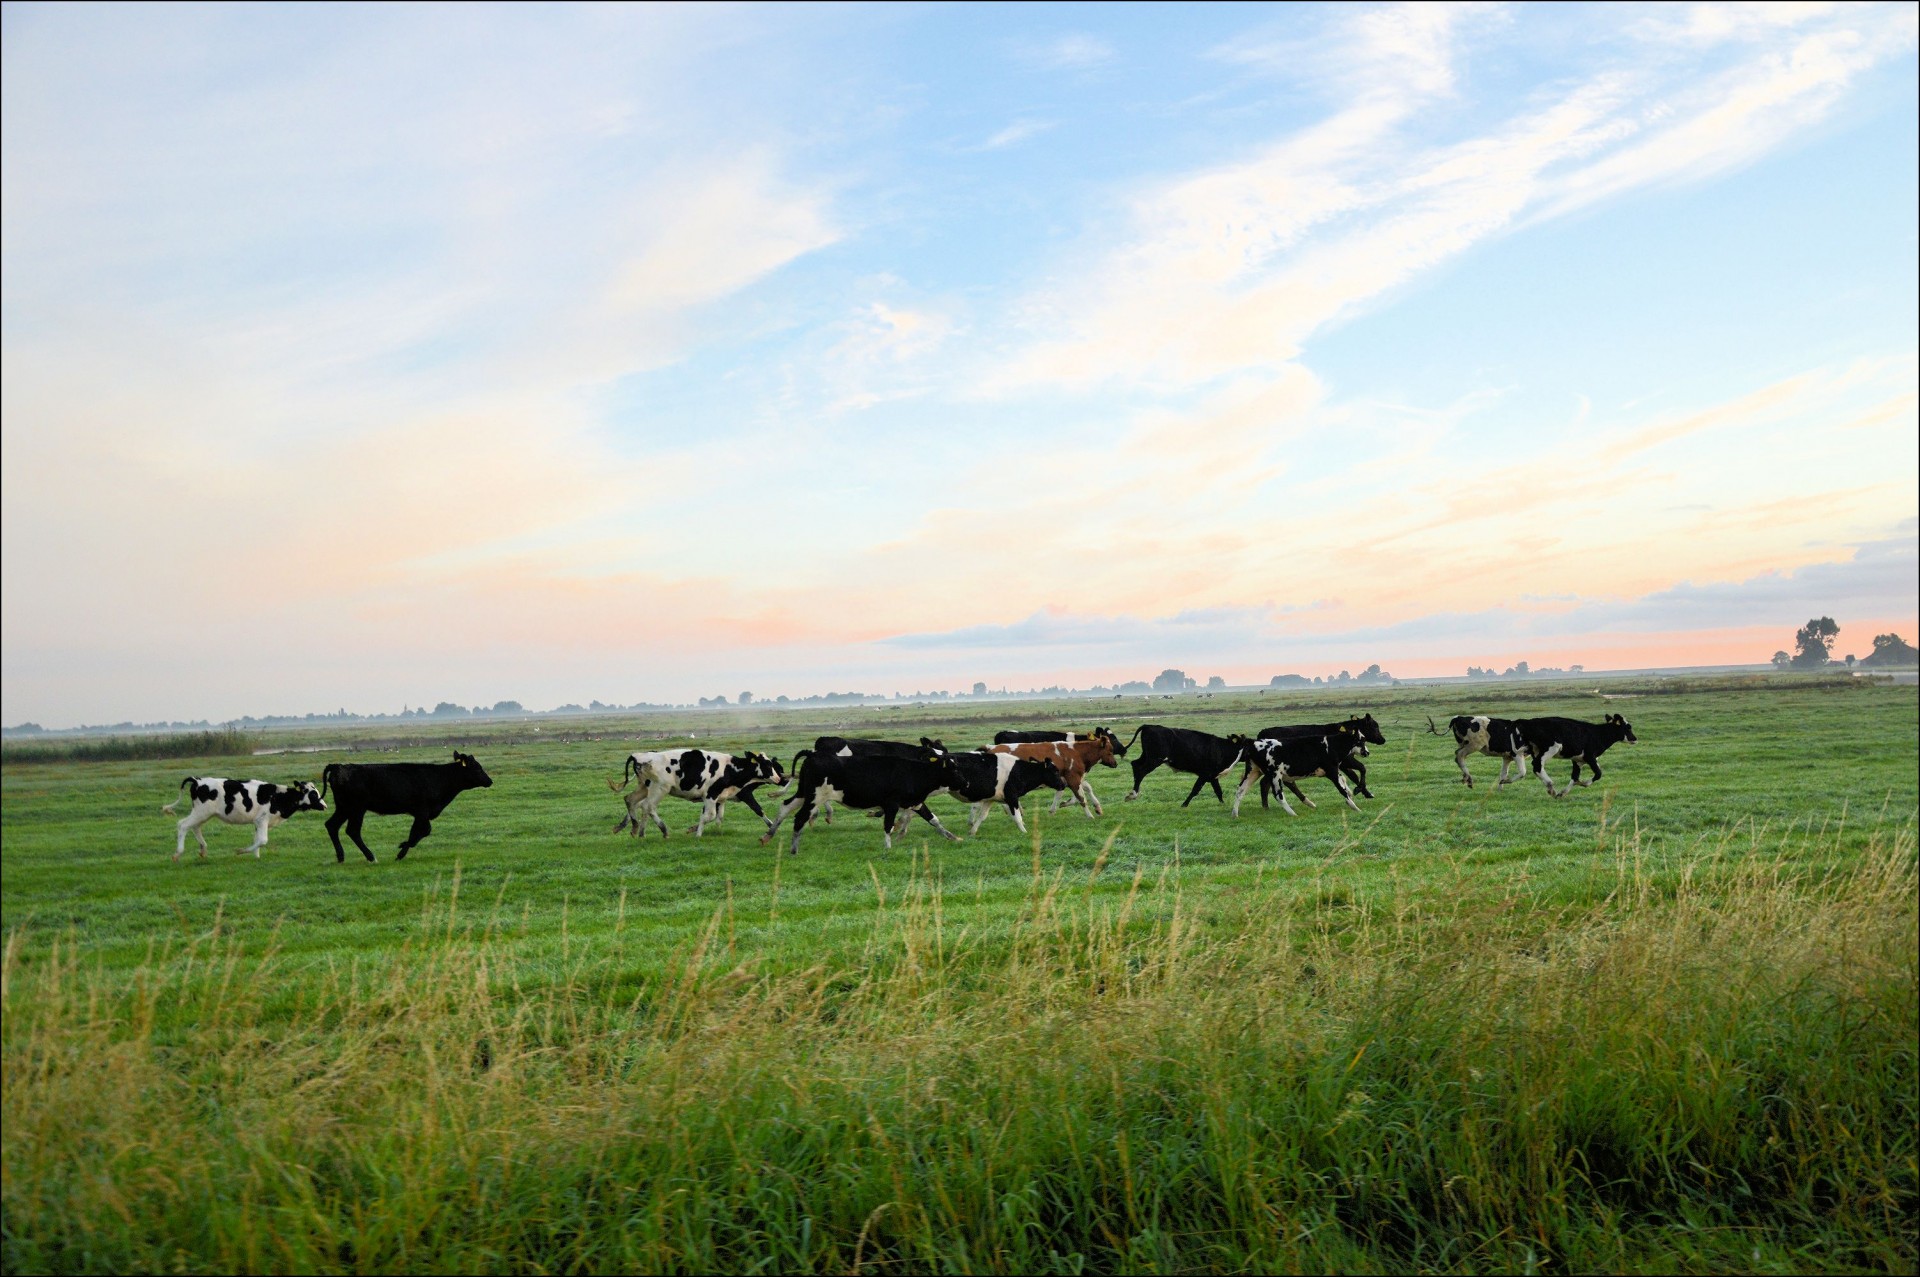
<point x="1074" y="51"/>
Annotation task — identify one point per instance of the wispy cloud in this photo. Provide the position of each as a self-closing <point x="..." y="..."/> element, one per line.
<point x="1073" y="51"/>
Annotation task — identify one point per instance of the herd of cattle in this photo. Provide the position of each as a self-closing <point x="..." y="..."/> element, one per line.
<point x="896" y="779"/>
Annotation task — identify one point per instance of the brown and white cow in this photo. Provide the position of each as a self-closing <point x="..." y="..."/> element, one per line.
<point x="1073" y="759"/>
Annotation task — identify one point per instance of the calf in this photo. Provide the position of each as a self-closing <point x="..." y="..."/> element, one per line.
<point x="705" y="776"/>
<point x="1573" y="740"/>
<point x="1478" y="734"/>
<point x="1350" y="737"/>
<point x="891" y="785"/>
<point x="1073" y="761"/>
<point x="985" y="777"/>
<point x="1206" y="756"/>
<point x="1282" y="762"/>
<point x="259" y="803"/>
<point x="420" y="790"/>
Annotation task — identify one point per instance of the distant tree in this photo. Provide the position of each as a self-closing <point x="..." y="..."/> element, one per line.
<point x="1813" y="643"/>
<point x="1782" y="661"/>
<point x="447" y="709"/>
<point x="746" y="698"/>
<point x="1344" y="677"/>
<point x="1891" y="649"/>
<point x="1576" y="669"/>
<point x="1289" y="680"/>
<point x="1373" y="674"/>
<point x="1849" y="660"/>
<point x="979" y="689"/>
<point x="1216" y="682"/>
<point x="1172" y="681"/>
<point x="507" y="707"/>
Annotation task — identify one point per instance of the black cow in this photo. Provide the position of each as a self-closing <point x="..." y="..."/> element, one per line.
<point x="1281" y="763"/>
<point x="1202" y="754"/>
<point x="982" y="778"/>
<point x="1573" y="740"/>
<point x="1042" y="738"/>
<point x="872" y="782"/>
<point x="1479" y="734"/>
<point x="420" y="790"/>
<point x="856" y="747"/>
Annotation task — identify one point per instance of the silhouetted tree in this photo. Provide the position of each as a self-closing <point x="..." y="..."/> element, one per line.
<point x="1813" y="644"/>
<point x="1891" y="649"/>
<point x="1782" y="661"/>
<point x="1172" y="681"/>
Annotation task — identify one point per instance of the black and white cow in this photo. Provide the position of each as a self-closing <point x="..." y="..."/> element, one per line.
<point x="982" y="778"/>
<point x="1201" y="754"/>
<point x="259" y="803"/>
<point x="420" y="790"/>
<point x="1282" y="763"/>
<point x="1479" y="734"/>
<point x="1573" y="740"/>
<point x="1355" y="734"/>
<point x="875" y="782"/>
<point x="708" y="777"/>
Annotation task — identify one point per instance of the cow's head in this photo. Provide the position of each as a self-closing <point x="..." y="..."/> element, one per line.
<point x="1099" y="748"/>
<point x="1619" y="721"/>
<point x="1029" y="774"/>
<point x="933" y="746"/>
<point x="1101" y="733"/>
<point x="288" y="800"/>
<point x="761" y="767"/>
<point x="472" y="774"/>
<point x="1368" y="728"/>
<point x="309" y="797"/>
<point x="1242" y="745"/>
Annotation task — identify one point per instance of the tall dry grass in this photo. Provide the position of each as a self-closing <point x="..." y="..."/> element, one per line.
<point x="1709" y="1069"/>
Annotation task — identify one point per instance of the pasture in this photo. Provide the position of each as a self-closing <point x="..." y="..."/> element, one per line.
<point x="1664" y="1024"/>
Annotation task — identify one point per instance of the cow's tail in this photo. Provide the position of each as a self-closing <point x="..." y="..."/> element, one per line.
<point x="1122" y="751"/>
<point x="328" y="776"/>
<point x="1430" y="726"/>
<point x="631" y="770"/>
<point x="176" y="802"/>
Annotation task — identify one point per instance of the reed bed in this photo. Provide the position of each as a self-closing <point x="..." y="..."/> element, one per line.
<point x="1708" y="1070"/>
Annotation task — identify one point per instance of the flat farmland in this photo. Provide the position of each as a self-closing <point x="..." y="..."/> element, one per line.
<point x="1665" y="1023"/>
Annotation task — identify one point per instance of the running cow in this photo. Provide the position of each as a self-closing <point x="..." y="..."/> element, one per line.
<point x="1350" y="737"/>
<point x="705" y="776"/>
<point x="1073" y="761"/>
<point x="1041" y="738"/>
<point x="1573" y="740"/>
<point x="1202" y="755"/>
<point x="982" y="778"/>
<point x="855" y="747"/>
<point x="892" y="786"/>
<point x="1283" y="763"/>
<point x="420" y="790"/>
<point x="259" y="803"/>
<point x="1479" y="734"/>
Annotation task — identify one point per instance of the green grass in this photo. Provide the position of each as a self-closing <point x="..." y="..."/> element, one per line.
<point x="1667" y="1023"/>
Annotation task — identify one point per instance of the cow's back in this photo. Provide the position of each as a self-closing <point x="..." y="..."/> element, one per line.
<point x="390" y="789"/>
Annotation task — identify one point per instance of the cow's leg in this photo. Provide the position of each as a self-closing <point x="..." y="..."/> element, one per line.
<point x="1199" y="783"/>
<point x="1357" y="772"/>
<point x="652" y="810"/>
<point x="188" y="825"/>
<point x="422" y="826"/>
<point x="259" y="837"/>
<point x="1019" y="821"/>
<point x="1088" y="799"/>
<point x="887" y="817"/>
<point x="334" y="822"/>
<point x="1246" y="782"/>
<point x="1340" y="783"/>
<point x="708" y="811"/>
<point x="1281" y="784"/>
<point x="1593" y="765"/>
<point x="1460" y="757"/>
<point x="926" y="813"/>
<point x="1548" y="755"/>
<point x="353" y="831"/>
<point x="977" y="814"/>
<point x="1217" y="795"/>
<point x="1142" y="768"/>
<point x="1299" y="793"/>
<point x="746" y="796"/>
<point x="1059" y="797"/>
<point x="802" y="811"/>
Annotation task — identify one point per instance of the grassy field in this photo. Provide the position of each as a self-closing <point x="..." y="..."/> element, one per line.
<point x="1667" y="1023"/>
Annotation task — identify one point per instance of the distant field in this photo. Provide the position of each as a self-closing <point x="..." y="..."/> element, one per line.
<point x="1667" y="1022"/>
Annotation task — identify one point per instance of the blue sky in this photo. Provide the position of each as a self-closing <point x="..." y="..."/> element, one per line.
<point x="389" y="355"/>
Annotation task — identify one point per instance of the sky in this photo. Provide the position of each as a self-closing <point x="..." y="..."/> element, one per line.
<point x="363" y="356"/>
